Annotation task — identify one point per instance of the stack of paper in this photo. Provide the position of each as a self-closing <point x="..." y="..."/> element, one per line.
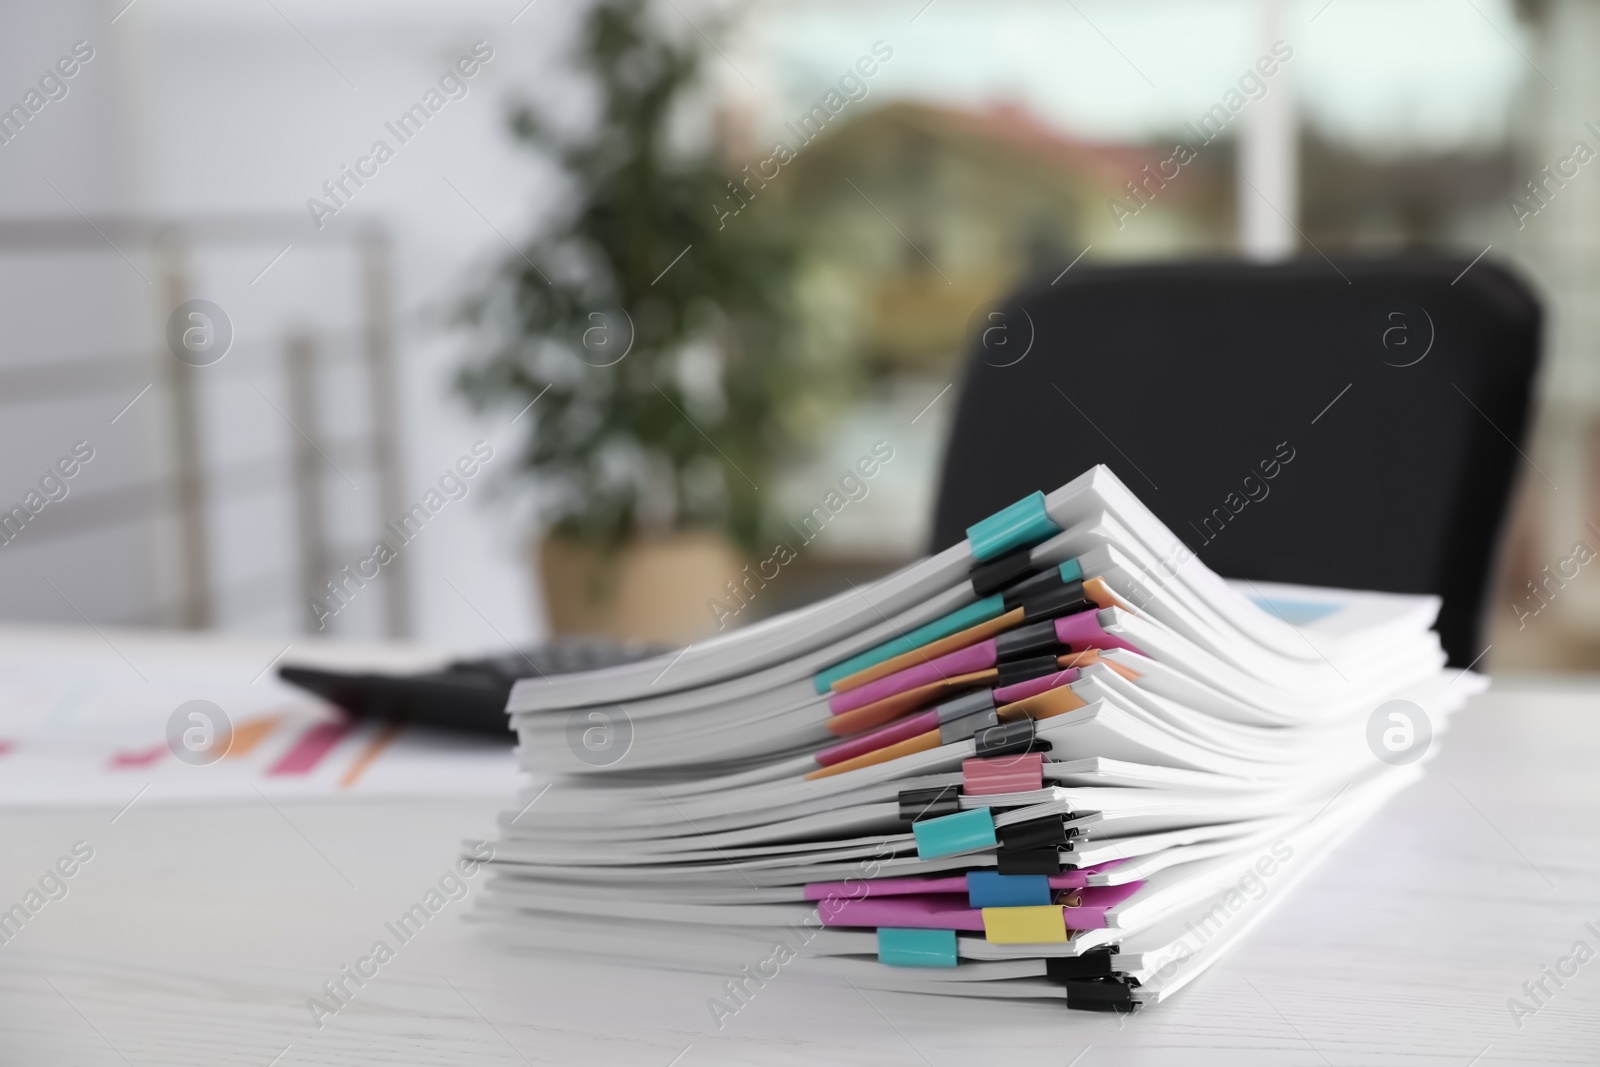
<point x="1062" y="759"/>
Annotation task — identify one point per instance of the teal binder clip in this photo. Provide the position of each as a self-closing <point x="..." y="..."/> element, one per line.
<point x="900" y="947"/>
<point x="1024" y="523"/>
<point x="965" y="831"/>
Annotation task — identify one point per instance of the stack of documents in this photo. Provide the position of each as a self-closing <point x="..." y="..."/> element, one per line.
<point x="1062" y="759"/>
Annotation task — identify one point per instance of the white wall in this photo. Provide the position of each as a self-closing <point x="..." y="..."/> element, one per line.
<point x="197" y="108"/>
<point x="59" y="305"/>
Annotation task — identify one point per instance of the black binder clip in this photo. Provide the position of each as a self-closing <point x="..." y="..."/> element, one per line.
<point x="1028" y="861"/>
<point x="1033" y="847"/>
<point x="1034" y="639"/>
<point x="919" y="804"/>
<point x="1100" y="994"/>
<point x="1025" y="670"/>
<point x="1095" y="964"/>
<point x="1008" y="739"/>
<point x="1049" y="832"/>
<point x="1051" y="602"/>
<point x="991" y="577"/>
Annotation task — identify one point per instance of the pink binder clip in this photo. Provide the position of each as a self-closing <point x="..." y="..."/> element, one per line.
<point x="1002" y="774"/>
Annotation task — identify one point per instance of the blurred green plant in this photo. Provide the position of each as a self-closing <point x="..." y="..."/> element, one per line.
<point x="658" y="344"/>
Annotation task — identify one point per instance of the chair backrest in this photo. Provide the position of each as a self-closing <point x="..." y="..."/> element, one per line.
<point x="1356" y="427"/>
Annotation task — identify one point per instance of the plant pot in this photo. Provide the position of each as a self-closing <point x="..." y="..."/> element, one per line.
<point x="654" y="589"/>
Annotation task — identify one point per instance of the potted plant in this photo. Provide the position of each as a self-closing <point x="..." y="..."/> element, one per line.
<point x="651" y="339"/>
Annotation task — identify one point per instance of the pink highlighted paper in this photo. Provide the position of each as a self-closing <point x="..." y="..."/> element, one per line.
<point x="889" y="887"/>
<point x="978" y="657"/>
<point x="897" y="731"/>
<point x="310" y="749"/>
<point x="1083" y="631"/>
<point x="142" y="758"/>
<point x="1078" y="632"/>
<point x="1034" y="686"/>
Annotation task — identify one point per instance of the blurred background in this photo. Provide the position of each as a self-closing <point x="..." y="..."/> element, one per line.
<point x="631" y="289"/>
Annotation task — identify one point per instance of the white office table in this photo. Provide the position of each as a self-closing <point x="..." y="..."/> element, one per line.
<point x="197" y="934"/>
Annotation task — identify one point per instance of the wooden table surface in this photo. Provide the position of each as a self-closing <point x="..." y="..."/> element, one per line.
<point x="197" y="934"/>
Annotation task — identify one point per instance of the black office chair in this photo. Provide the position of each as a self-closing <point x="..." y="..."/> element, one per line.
<point x="1402" y="389"/>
